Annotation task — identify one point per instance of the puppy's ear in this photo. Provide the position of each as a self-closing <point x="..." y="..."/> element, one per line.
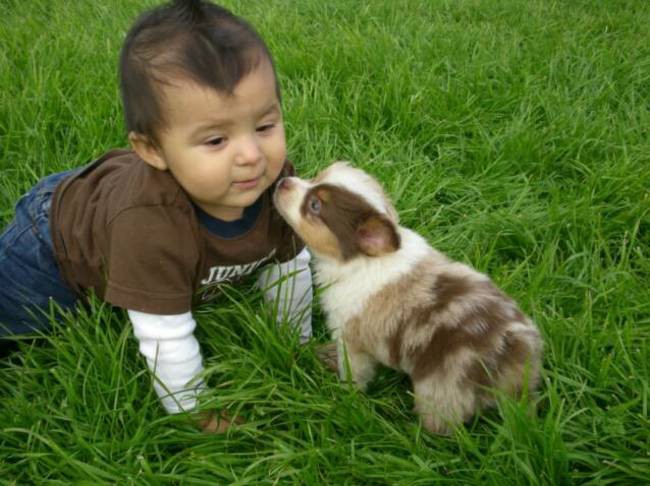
<point x="377" y="236"/>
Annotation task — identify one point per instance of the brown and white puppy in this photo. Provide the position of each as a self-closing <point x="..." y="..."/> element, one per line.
<point x="391" y="298"/>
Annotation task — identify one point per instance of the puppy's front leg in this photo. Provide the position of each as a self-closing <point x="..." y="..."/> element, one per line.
<point x="362" y="366"/>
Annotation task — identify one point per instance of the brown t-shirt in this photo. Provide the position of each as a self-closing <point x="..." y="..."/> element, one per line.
<point x="131" y="234"/>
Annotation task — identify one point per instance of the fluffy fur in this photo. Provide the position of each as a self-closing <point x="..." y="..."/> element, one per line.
<point x="390" y="298"/>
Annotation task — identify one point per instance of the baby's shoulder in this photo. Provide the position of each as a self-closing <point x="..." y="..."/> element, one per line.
<point x="129" y="182"/>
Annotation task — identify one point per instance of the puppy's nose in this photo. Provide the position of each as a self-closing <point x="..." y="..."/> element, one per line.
<point x="285" y="184"/>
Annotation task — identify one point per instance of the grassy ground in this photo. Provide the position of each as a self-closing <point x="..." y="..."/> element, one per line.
<point x="513" y="134"/>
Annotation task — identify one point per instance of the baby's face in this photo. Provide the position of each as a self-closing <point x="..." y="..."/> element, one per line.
<point x="225" y="151"/>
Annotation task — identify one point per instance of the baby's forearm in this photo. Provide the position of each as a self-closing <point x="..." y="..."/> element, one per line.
<point x="173" y="355"/>
<point x="288" y="286"/>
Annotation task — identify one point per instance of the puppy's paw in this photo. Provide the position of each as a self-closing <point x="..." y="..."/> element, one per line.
<point x="436" y="425"/>
<point x="328" y="355"/>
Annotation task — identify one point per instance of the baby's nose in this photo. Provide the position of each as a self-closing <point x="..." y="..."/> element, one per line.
<point x="249" y="152"/>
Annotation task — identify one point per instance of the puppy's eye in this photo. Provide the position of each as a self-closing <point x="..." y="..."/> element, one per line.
<point x="314" y="205"/>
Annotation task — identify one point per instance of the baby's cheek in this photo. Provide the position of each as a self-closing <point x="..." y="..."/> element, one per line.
<point x="277" y="148"/>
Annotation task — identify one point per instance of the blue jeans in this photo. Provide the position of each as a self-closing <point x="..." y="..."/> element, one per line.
<point x="29" y="275"/>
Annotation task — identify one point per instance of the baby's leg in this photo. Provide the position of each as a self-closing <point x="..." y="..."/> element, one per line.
<point x="29" y="275"/>
<point x="362" y="365"/>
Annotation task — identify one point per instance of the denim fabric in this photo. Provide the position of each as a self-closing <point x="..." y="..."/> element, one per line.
<point x="29" y="276"/>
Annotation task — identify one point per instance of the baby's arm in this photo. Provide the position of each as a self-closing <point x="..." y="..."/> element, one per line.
<point x="173" y="355"/>
<point x="289" y="286"/>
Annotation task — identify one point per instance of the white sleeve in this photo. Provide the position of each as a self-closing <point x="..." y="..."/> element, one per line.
<point x="288" y="287"/>
<point x="173" y="355"/>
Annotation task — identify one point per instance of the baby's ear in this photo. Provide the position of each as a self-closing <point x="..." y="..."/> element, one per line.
<point x="377" y="236"/>
<point x="147" y="150"/>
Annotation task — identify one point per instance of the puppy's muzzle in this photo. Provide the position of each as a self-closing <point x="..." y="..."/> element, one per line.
<point x="285" y="184"/>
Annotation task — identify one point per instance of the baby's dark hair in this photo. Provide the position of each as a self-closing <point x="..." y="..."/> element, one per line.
<point x="185" y="39"/>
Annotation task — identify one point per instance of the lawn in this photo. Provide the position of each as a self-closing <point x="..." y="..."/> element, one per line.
<point x="513" y="134"/>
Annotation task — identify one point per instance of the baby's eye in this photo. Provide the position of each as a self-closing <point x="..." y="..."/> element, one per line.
<point x="266" y="127"/>
<point x="215" y="142"/>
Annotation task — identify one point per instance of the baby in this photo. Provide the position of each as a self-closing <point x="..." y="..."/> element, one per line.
<point x="158" y="228"/>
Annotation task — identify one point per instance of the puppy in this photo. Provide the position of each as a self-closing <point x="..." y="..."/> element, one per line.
<point x="390" y="298"/>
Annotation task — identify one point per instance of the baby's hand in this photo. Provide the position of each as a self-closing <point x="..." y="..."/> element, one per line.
<point x="217" y="422"/>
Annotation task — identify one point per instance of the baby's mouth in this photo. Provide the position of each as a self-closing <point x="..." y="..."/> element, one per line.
<point x="247" y="184"/>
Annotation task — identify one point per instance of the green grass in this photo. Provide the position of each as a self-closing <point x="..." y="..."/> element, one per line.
<point x="513" y="134"/>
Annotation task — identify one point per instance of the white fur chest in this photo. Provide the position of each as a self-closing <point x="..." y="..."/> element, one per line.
<point x="347" y="287"/>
